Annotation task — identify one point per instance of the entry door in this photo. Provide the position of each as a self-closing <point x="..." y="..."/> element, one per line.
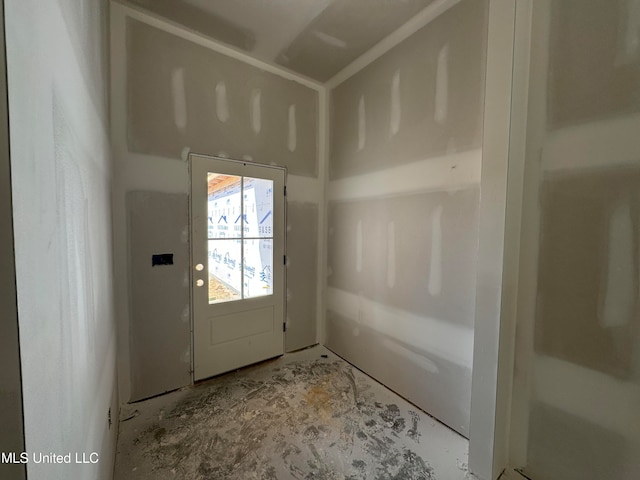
<point x="237" y="232"/>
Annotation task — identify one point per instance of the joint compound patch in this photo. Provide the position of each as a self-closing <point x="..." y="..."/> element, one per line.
<point x="292" y="139"/>
<point x="396" y="111"/>
<point x="256" y="110"/>
<point x="362" y="124"/>
<point x="178" y="95"/>
<point x="222" y="103"/>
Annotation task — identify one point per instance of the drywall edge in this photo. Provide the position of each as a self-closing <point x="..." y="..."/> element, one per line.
<point x="487" y="457"/>
<point x="511" y="387"/>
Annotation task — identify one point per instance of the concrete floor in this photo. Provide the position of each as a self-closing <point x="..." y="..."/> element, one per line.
<point x="301" y="416"/>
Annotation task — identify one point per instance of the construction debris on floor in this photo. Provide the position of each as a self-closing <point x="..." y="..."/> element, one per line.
<point x="302" y="416"/>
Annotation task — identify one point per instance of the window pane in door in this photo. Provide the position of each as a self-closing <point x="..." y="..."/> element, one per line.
<point x="258" y="267"/>
<point x="223" y="205"/>
<point x="225" y="274"/>
<point x="258" y="207"/>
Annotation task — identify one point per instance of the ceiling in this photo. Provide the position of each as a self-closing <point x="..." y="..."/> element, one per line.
<point x="316" y="38"/>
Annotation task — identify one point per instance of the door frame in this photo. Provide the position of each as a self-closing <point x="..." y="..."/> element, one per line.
<point x="191" y="249"/>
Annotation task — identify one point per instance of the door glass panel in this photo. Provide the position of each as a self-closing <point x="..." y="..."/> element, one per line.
<point x="258" y="207"/>
<point x="225" y="275"/>
<point x="224" y="204"/>
<point x="258" y="267"/>
<point x="240" y="212"/>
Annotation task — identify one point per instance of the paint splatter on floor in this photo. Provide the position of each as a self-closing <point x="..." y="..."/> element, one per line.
<point x="308" y="418"/>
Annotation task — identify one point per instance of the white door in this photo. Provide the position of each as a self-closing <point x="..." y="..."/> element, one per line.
<point x="237" y="234"/>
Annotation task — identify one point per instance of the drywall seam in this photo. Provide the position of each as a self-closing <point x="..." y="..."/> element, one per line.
<point x="614" y="141"/>
<point x="183" y="32"/>
<point x="444" y="339"/>
<point x="323" y="177"/>
<point x="450" y="173"/>
<point x="551" y="375"/>
<point x="428" y="14"/>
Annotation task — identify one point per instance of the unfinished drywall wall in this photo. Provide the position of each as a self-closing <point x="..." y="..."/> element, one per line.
<point x="61" y="185"/>
<point x="422" y="99"/>
<point x="160" y="299"/>
<point x="401" y="270"/>
<point x="403" y="215"/>
<point x="587" y="279"/>
<point x="578" y="372"/>
<point x="12" y="438"/>
<point x="174" y="91"/>
<point x="184" y="95"/>
<point x="302" y="265"/>
<point x="608" y="50"/>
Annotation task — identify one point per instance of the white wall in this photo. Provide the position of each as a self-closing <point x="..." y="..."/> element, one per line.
<point x="61" y="179"/>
